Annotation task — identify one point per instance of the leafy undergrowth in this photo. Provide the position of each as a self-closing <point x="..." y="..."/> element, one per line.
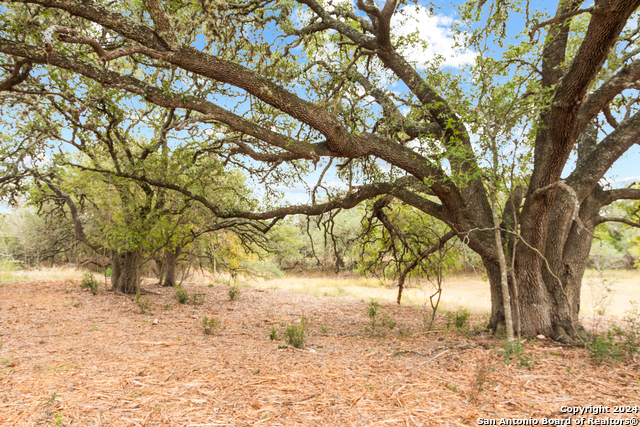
<point x="71" y="358"/>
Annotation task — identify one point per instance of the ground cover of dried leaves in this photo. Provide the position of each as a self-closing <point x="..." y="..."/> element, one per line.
<point x="70" y="358"/>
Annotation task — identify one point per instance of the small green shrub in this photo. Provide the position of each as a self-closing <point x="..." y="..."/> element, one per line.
<point x="294" y="335"/>
<point x="142" y="302"/>
<point x="631" y="343"/>
<point x="209" y="325"/>
<point x="273" y="334"/>
<point x="481" y="380"/>
<point x="89" y="282"/>
<point x="377" y="320"/>
<point x="389" y="322"/>
<point x="9" y="265"/>
<point x="479" y="327"/>
<point x="372" y="311"/>
<point x="458" y="319"/>
<point x="234" y="292"/>
<point x="182" y="296"/>
<point x="604" y="348"/>
<point x="197" y="299"/>
<point x="513" y="351"/>
<point x="617" y="343"/>
<point x="482" y="376"/>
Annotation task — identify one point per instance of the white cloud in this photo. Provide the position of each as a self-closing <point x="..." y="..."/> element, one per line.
<point x="435" y="31"/>
<point x="627" y="180"/>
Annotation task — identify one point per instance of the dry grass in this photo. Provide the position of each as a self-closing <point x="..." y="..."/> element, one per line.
<point x="466" y="291"/>
<point x="625" y="288"/>
<point x="55" y="272"/>
<point x="459" y="291"/>
<point x="70" y="358"/>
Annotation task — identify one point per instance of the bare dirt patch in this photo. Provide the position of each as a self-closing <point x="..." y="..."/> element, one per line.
<point x="70" y="358"/>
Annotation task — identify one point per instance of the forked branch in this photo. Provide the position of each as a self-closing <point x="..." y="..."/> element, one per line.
<point x="557" y="19"/>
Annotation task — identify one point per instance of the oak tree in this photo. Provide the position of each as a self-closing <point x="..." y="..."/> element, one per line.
<point x="287" y="84"/>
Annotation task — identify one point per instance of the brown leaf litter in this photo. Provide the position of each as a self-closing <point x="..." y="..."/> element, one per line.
<point x="70" y="358"/>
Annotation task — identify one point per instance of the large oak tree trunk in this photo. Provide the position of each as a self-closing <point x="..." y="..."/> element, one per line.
<point x="160" y="266"/>
<point x="549" y="283"/>
<point x="171" y="260"/>
<point x="568" y="254"/>
<point x="125" y="272"/>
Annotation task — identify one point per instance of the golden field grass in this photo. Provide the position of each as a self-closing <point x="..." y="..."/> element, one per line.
<point x="621" y="287"/>
<point x="55" y="272"/>
<point x="461" y="291"/>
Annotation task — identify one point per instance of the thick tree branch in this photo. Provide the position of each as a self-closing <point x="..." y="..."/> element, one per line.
<point x="364" y="192"/>
<point x="572" y="195"/>
<point x="590" y="170"/>
<point x="342" y="27"/>
<point x="398" y="189"/>
<point x="159" y="97"/>
<point x="75" y="216"/>
<point x="277" y="158"/>
<point x="18" y="75"/>
<point x="610" y="119"/>
<point x="381" y="20"/>
<point x="601" y="97"/>
<point x="348" y="145"/>
<point x="610" y="196"/>
<point x="339" y="139"/>
<point x="395" y="119"/>
<point x="162" y="25"/>
<point x="341" y="11"/>
<point x="97" y="47"/>
<point x="120" y="23"/>
<point x="425" y="205"/>
<point x="552" y="152"/>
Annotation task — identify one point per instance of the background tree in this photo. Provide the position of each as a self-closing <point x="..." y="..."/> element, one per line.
<point x="128" y="218"/>
<point x="613" y="246"/>
<point x="397" y="241"/>
<point x="32" y="238"/>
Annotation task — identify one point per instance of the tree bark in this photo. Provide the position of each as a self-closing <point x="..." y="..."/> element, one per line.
<point x="125" y="272"/>
<point x="171" y="259"/>
<point x="159" y="260"/>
